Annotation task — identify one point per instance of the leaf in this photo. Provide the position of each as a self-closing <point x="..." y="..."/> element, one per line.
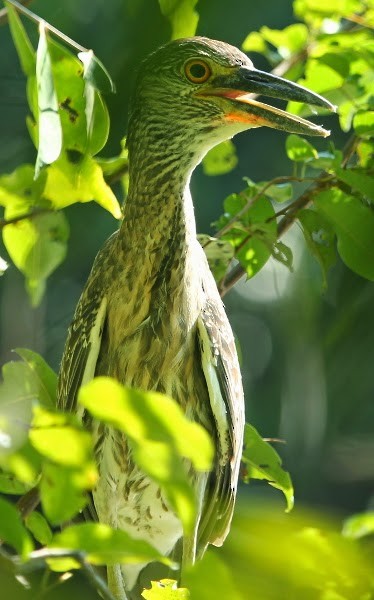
<point x="182" y="16"/>
<point x="263" y="462"/>
<point x="24" y="464"/>
<point x="50" y="132"/>
<point x="211" y="578"/>
<point x="12" y="531"/>
<point x="106" y="546"/>
<point x="354" y="226"/>
<point x="254" y="42"/>
<point x="95" y="73"/>
<point x="287" y="41"/>
<point x="10" y="485"/>
<point x="281" y="192"/>
<point x="221" y="159"/>
<point x="75" y="178"/>
<point x="283" y="254"/>
<point x="320" y="239"/>
<point x="363" y="123"/>
<point x="299" y="150"/>
<point x="159" y="434"/>
<point x="357" y="180"/>
<point x="44" y="376"/>
<point x="219" y="254"/>
<point x="25" y="50"/>
<point x="166" y="589"/>
<point x="37" y="247"/>
<point x="37" y="524"/>
<point x="359" y="525"/>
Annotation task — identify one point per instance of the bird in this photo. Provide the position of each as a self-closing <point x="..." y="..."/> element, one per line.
<point x="150" y="314"/>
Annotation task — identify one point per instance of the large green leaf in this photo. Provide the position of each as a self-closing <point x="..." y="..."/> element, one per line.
<point x="353" y="222"/>
<point x="95" y="73"/>
<point x="106" y="546"/>
<point x="320" y="238"/>
<point x="263" y="462"/>
<point x="159" y="434"/>
<point x="182" y="16"/>
<point x="50" y="132"/>
<point x="12" y="531"/>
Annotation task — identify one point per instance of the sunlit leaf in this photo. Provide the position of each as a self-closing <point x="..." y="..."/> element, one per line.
<point x="10" y="485"/>
<point x="363" y="123"/>
<point x="95" y="73"/>
<point x="320" y="239"/>
<point x="182" y="16"/>
<point x="211" y="578"/>
<point x="354" y="226"/>
<point x="281" y="192"/>
<point x="104" y="545"/>
<point x="299" y="149"/>
<point x="37" y="524"/>
<point x="50" y="132"/>
<point x="44" y="376"/>
<point x="11" y="529"/>
<point x="291" y="39"/>
<point x="24" y="465"/>
<point x="359" y="525"/>
<point x="254" y="42"/>
<point x="159" y="433"/>
<point x="221" y="159"/>
<point x="25" y="50"/>
<point x="166" y="589"/>
<point x="358" y="180"/>
<point x="263" y="462"/>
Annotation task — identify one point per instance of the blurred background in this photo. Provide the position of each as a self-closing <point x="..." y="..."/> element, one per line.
<point x="307" y="357"/>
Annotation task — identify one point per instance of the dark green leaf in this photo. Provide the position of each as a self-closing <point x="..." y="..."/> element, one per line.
<point x="221" y="159"/>
<point x="25" y="50"/>
<point x="12" y="531"/>
<point x="44" y="376"/>
<point x="300" y="150"/>
<point x="263" y="462"/>
<point x="182" y="16"/>
<point x="106" y="546"/>
<point x="37" y="524"/>
<point x="95" y="73"/>
<point x="320" y="238"/>
<point x="354" y="226"/>
<point x="50" y="132"/>
<point x="283" y="254"/>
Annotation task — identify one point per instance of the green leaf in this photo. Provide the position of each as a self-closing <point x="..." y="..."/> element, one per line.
<point x="365" y="152"/>
<point x="37" y="524"/>
<point x="281" y="192"/>
<point x="37" y="247"/>
<point x="358" y="180"/>
<point x="283" y="254"/>
<point x="182" y="16"/>
<point x="221" y="159"/>
<point x="166" y="589"/>
<point x="106" y="546"/>
<point x="299" y="149"/>
<point x="219" y="254"/>
<point x="25" y="50"/>
<point x="263" y="462"/>
<point x="10" y="485"/>
<point x="79" y="179"/>
<point x="363" y="123"/>
<point x="254" y="42"/>
<point x="320" y="238"/>
<point x="12" y="531"/>
<point x="287" y="41"/>
<point x="309" y="9"/>
<point x="159" y="434"/>
<point x="50" y="132"/>
<point x="24" y="464"/>
<point x="45" y="377"/>
<point x="95" y="73"/>
<point x="211" y="578"/>
<point x="354" y="226"/>
<point x="359" y="525"/>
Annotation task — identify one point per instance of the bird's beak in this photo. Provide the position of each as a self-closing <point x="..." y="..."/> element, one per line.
<point x="239" y="88"/>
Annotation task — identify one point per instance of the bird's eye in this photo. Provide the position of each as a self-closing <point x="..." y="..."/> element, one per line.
<point x="197" y="71"/>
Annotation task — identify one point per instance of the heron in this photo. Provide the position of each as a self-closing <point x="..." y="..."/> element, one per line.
<point x="150" y="314"/>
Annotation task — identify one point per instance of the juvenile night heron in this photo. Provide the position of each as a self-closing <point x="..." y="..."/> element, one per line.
<point x="150" y="314"/>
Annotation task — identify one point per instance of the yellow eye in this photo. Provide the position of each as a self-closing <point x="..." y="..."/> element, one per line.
<point x="197" y="71"/>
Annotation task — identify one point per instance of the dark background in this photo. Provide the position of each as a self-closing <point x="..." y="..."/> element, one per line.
<point x="307" y="356"/>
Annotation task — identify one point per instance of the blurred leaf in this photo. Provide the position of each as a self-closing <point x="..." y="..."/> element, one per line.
<point x="219" y="254"/>
<point x="37" y="524"/>
<point x="324" y="161"/>
<point x="363" y="123"/>
<point x="291" y="39"/>
<point x="280" y="192"/>
<point x="24" y="464"/>
<point x="354" y="226"/>
<point x="12" y="531"/>
<point x="95" y="73"/>
<point x="299" y="149"/>
<point x="283" y="254"/>
<point x="25" y="50"/>
<point x="254" y="42"/>
<point x="365" y="151"/>
<point x="76" y="178"/>
<point x="358" y="180"/>
<point x="307" y="9"/>
<point x="10" y="485"/>
<point x="320" y="238"/>
<point x="182" y="16"/>
<point x="166" y="589"/>
<point x="44" y="376"/>
<point x="50" y="132"/>
<point x="160" y="435"/>
<point x="211" y="578"/>
<point x="263" y="462"/>
<point x="221" y="159"/>
<point x="106" y="546"/>
<point x="359" y="525"/>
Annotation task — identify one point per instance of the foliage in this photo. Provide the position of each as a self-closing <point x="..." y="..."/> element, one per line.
<point x="40" y="447"/>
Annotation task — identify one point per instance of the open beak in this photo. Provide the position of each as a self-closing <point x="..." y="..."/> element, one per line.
<point x="239" y="87"/>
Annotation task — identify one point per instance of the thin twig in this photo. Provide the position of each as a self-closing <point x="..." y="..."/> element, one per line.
<point x="31" y="215"/>
<point x="4" y="12"/>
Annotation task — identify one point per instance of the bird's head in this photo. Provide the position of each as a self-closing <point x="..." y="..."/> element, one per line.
<point x="196" y="92"/>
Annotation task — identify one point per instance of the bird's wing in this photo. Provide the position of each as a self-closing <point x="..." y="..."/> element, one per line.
<point x="222" y="374"/>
